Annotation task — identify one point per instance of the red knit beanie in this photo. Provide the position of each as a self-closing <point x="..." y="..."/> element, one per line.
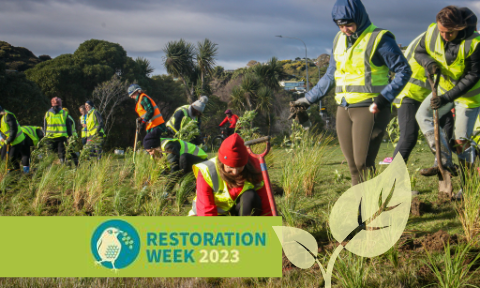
<point x="233" y="152"/>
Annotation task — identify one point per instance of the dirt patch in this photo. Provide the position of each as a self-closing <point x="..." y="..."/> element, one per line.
<point x="419" y="207"/>
<point x="277" y="190"/>
<point x="432" y="242"/>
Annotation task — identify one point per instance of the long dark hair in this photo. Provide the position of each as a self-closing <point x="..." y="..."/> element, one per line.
<point x="249" y="173"/>
<point x="451" y="18"/>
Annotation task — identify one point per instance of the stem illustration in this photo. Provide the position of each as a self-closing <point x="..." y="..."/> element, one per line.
<point x="333" y="258"/>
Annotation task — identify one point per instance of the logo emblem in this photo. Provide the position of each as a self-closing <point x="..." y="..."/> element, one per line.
<point x="115" y="244"/>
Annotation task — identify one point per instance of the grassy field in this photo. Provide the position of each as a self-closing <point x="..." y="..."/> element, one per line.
<point x="304" y="198"/>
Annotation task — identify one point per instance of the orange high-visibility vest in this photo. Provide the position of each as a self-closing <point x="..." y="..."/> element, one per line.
<point x="157" y="118"/>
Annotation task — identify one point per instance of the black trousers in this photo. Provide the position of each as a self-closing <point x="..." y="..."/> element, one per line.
<point x="186" y="161"/>
<point x="57" y="145"/>
<point x="16" y="154"/>
<point x="409" y="127"/>
<point x="247" y="204"/>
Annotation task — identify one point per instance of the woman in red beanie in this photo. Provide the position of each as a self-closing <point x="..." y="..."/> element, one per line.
<point x="230" y="183"/>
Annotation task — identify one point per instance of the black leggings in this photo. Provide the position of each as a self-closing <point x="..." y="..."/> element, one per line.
<point x="247" y="204"/>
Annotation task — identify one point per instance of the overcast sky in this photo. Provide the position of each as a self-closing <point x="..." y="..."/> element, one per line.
<point x="243" y="29"/>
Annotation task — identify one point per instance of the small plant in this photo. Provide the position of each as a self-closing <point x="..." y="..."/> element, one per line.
<point x="187" y="185"/>
<point x="453" y="272"/>
<point x="245" y="126"/>
<point x="189" y="130"/>
<point x="469" y="210"/>
<point x="352" y="271"/>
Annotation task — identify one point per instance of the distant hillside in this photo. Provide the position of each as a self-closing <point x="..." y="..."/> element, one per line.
<point x="19" y="58"/>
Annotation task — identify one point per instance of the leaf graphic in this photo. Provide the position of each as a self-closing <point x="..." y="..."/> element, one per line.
<point x="298" y="245"/>
<point x="384" y="206"/>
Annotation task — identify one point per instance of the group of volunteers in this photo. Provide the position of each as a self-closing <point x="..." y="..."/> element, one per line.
<point x="361" y="59"/>
<point x="58" y="125"/>
<point x="228" y="184"/>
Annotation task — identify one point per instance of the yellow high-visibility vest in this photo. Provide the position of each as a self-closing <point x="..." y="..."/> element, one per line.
<point x="223" y="200"/>
<point x="417" y="87"/>
<point x="92" y="124"/>
<point x="435" y="47"/>
<point x="185" y="147"/>
<point x="31" y="131"/>
<point x="171" y="121"/>
<point x="356" y="77"/>
<point x="56" y="124"/>
<point x="5" y="128"/>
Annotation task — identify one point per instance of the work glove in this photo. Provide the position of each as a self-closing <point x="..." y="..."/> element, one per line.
<point x="432" y="68"/>
<point x="436" y="103"/>
<point x="298" y="110"/>
<point x="302" y="102"/>
<point x="381" y="102"/>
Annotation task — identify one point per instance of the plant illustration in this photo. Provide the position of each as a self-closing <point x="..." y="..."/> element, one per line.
<point x="367" y="220"/>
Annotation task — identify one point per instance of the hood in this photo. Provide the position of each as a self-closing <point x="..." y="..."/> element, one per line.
<point x="352" y="10"/>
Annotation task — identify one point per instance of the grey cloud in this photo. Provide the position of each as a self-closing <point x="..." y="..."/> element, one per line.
<point x="244" y="30"/>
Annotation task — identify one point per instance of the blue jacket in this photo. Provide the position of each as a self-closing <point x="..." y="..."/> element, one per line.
<point x="387" y="54"/>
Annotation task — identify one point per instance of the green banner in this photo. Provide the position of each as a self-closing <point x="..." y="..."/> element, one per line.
<point x="140" y="247"/>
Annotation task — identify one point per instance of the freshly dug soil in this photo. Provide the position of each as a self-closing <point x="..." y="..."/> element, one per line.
<point x="277" y="190"/>
<point x="419" y="207"/>
<point x="431" y="242"/>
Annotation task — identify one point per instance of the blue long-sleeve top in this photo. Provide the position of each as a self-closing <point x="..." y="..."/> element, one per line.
<point x="387" y="54"/>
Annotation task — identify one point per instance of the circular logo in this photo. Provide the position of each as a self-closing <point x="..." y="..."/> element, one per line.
<point x="115" y="244"/>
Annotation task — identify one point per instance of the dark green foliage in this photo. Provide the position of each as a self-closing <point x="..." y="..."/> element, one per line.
<point x="22" y="97"/>
<point x="19" y="58"/>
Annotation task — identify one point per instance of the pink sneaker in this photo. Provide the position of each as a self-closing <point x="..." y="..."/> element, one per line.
<point x="386" y="161"/>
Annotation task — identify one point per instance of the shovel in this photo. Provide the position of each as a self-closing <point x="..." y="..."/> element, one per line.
<point x="445" y="178"/>
<point x="137" y="131"/>
<point x="263" y="166"/>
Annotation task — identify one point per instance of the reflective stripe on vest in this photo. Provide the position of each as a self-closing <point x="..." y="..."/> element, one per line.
<point x="31" y="131"/>
<point x="56" y="124"/>
<point x="185" y="147"/>
<point x="4" y="127"/>
<point x="171" y="121"/>
<point x="157" y="118"/>
<point x="452" y="73"/>
<point x="223" y="200"/>
<point x="417" y="87"/>
<point x="92" y="124"/>
<point x="356" y="77"/>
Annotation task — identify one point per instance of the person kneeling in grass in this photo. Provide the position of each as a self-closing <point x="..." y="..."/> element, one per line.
<point x="181" y="155"/>
<point x="230" y="184"/>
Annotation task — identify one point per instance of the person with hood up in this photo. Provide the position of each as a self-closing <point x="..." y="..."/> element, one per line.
<point x="193" y="112"/>
<point x="361" y="59"/>
<point x="230" y="184"/>
<point x="13" y="138"/>
<point x="450" y="47"/>
<point x="57" y="128"/>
